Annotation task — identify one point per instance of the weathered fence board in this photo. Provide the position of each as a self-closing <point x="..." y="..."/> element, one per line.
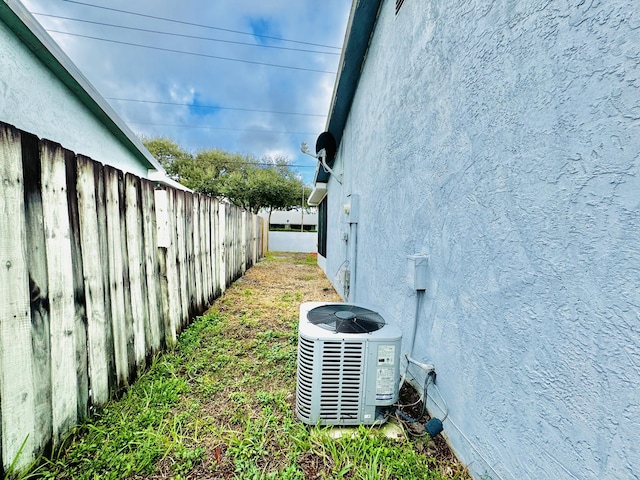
<point x="216" y="218"/>
<point x="37" y="268"/>
<point x="64" y="381"/>
<point x="155" y="317"/>
<point x="135" y="261"/>
<point x="233" y="243"/>
<point x="225" y="244"/>
<point x="228" y="244"/>
<point x="115" y="264"/>
<point x="174" y="262"/>
<point x="192" y="279"/>
<point x="217" y="248"/>
<point x="167" y="237"/>
<point x="205" y="253"/>
<point x="129" y="336"/>
<point x="80" y="317"/>
<point x="182" y="260"/>
<point x="98" y="338"/>
<point x="196" y="259"/>
<point x="98" y="271"/>
<point x="186" y="274"/>
<point x="17" y="389"/>
<point x="244" y="256"/>
<point x="101" y="209"/>
<point x="207" y="294"/>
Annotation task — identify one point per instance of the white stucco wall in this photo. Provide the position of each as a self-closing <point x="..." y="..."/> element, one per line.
<point x="502" y="139"/>
<point x="33" y="99"/>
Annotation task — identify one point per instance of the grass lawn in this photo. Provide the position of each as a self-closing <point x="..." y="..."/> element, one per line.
<point x="221" y="404"/>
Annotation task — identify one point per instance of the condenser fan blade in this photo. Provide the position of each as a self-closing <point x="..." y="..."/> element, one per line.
<point x="345" y="318"/>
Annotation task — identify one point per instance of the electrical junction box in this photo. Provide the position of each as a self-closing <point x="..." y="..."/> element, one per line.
<point x="352" y="209"/>
<point x="417" y="276"/>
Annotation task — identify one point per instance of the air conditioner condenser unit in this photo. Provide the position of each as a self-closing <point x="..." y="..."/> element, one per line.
<point x="348" y="364"/>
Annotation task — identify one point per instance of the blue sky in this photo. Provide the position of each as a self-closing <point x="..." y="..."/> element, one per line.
<point x="252" y="77"/>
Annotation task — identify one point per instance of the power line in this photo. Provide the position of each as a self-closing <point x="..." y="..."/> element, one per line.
<point x="196" y="37"/>
<point x="262" y="164"/>
<point x="191" y="53"/>
<point x="213" y="107"/>
<point x="200" y="25"/>
<point x="216" y="128"/>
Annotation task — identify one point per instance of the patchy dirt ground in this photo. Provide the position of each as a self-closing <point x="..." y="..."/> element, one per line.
<point x="220" y="404"/>
<point x="257" y="340"/>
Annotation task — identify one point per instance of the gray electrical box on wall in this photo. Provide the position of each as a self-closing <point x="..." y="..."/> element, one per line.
<point x="352" y="209"/>
<point x="418" y="271"/>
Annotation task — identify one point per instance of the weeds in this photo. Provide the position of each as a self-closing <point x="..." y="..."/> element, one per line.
<point x="220" y="404"/>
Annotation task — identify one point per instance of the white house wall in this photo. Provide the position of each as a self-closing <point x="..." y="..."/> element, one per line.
<point x="33" y="99"/>
<point x="303" y="242"/>
<point x="502" y="139"/>
<point x="291" y="217"/>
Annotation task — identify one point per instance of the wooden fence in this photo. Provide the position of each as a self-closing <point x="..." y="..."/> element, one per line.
<point x="98" y="271"/>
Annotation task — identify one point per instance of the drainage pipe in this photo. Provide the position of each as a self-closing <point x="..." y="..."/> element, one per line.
<point x="354" y="213"/>
<point x="353" y="239"/>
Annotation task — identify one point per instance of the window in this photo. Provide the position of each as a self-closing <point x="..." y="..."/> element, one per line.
<point x="322" y="228"/>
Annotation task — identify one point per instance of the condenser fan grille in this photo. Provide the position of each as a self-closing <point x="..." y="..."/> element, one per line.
<point x="343" y="318"/>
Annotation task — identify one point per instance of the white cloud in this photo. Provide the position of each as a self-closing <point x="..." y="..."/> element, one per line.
<point x="127" y="71"/>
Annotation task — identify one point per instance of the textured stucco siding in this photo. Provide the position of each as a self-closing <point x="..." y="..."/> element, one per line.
<point x="502" y="138"/>
<point x="33" y="99"/>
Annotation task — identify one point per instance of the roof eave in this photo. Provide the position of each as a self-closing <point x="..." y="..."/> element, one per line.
<point x="362" y="20"/>
<point x="26" y="27"/>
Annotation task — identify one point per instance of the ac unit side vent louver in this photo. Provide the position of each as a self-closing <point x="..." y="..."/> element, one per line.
<point x="305" y="377"/>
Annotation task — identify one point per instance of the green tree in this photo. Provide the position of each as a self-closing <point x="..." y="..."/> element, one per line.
<point x="264" y="186"/>
<point x="210" y="169"/>
<point x="243" y="179"/>
<point x="167" y="152"/>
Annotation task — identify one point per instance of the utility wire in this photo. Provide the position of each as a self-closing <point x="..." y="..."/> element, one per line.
<point x="212" y="107"/>
<point x="196" y="37"/>
<point x="288" y="165"/>
<point x="216" y="128"/>
<point x="191" y="53"/>
<point x="199" y="25"/>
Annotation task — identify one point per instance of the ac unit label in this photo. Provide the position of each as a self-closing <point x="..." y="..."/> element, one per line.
<point x="386" y="355"/>
<point x="385" y="384"/>
<point x="385" y="373"/>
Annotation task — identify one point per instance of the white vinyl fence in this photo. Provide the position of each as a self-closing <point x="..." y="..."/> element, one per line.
<point x="306" y="242"/>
